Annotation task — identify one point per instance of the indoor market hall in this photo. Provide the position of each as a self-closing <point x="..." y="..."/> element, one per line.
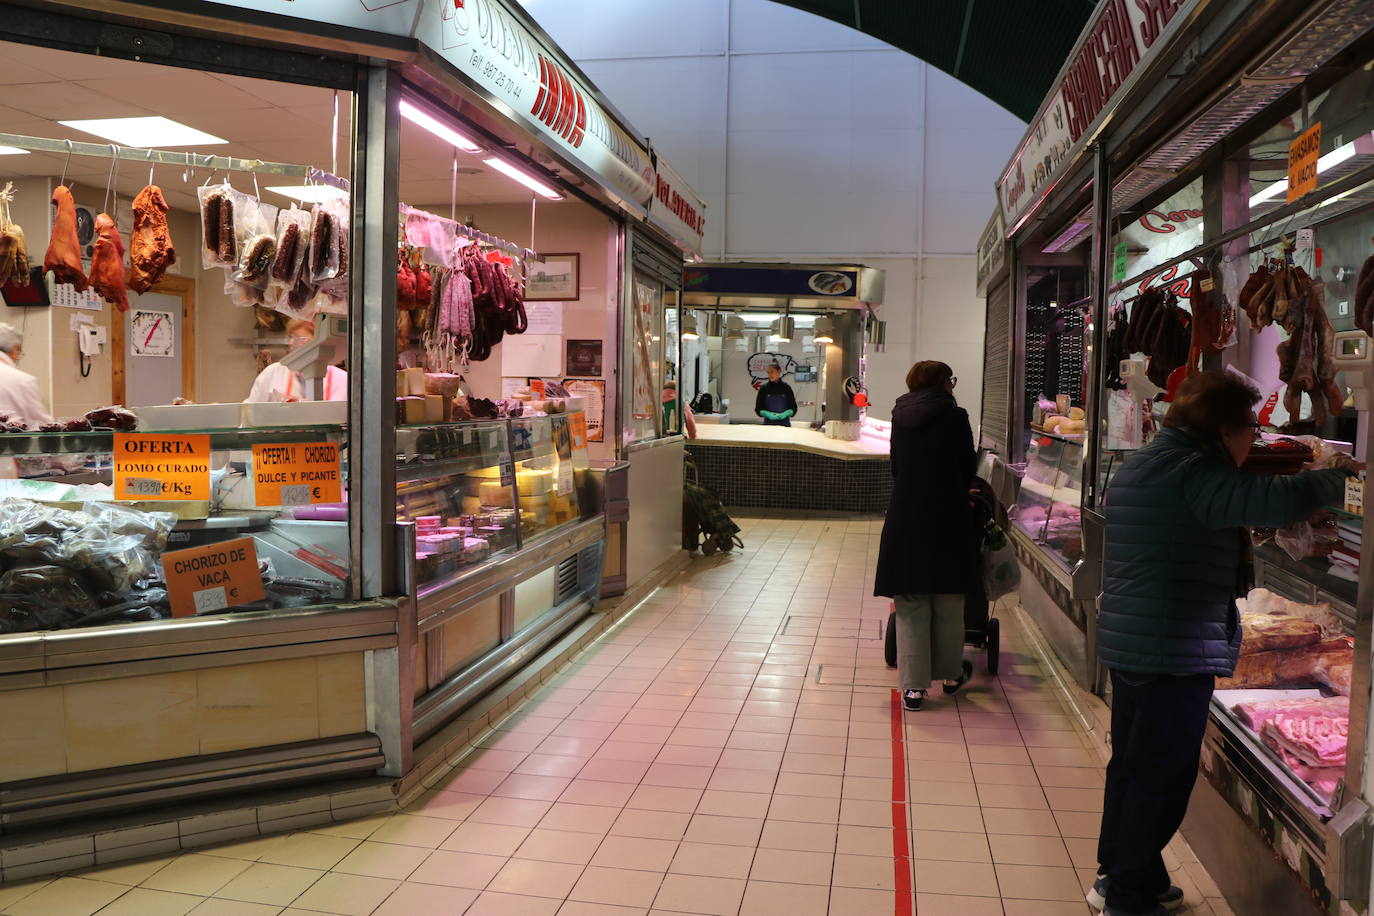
<point x="634" y="458"/>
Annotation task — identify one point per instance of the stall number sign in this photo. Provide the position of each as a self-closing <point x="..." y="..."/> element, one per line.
<point x="1303" y="154"/>
<point x="161" y="466"/>
<point x="215" y="577"/>
<point x="299" y="474"/>
<point x="577" y="430"/>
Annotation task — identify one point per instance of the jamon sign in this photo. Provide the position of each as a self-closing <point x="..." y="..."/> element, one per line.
<point x="1124" y="34"/>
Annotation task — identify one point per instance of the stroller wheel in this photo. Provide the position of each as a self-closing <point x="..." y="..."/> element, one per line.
<point x="709" y="546"/>
<point x="994" y="644"/>
<point x="727" y="544"/>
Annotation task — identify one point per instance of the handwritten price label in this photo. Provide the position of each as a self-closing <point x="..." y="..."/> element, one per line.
<point x="144" y="486"/>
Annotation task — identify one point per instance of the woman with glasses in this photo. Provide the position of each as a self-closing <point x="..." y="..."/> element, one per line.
<point x="278" y="383"/>
<point x="924" y="563"/>
<point x="1177" y="557"/>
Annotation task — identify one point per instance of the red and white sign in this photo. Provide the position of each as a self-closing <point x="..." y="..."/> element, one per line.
<point x="1122" y="35"/>
<point x="677" y="208"/>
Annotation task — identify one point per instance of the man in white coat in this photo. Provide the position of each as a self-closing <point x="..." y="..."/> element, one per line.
<point x="19" y="398"/>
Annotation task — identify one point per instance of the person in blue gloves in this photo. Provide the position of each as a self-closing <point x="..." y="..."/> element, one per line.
<point x="775" y="402"/>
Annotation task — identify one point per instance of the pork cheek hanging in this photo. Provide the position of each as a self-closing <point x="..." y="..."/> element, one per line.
<point x="150" y="247"/>
<point x="64" y="249"/>
<point x="107" y="263"/>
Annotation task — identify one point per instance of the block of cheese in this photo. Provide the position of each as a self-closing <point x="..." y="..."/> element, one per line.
<point x="411" y="383"/>
<point x="472" y="505"/>
<point x="534" y="483"/>
<point x="410" y="410"/>
<point x="442" y="383"/>
<point x="493" y="494"/>
<point x="434" y="408"/>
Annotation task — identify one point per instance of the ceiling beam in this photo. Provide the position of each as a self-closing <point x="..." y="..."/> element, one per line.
<point x="963" y="38"/>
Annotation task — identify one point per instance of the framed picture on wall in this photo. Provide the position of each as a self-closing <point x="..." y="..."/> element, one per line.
<point x="584" y="358"/>
<point x="556" y="280"/>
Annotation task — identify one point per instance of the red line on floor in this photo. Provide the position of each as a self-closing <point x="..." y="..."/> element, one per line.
<point x="904" y="905"/>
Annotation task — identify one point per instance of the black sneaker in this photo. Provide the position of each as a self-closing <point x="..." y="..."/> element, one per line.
<point x="912" y="699"/>
<point x="1171" y="899"/>
<point x="963" y="679"/>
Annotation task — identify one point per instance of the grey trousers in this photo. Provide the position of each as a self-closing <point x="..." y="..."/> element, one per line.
<point x="930" y="639"/>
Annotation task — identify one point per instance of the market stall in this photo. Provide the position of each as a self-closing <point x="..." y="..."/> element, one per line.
<point x="309" y="535"/>
<point x="1219" y="219"/>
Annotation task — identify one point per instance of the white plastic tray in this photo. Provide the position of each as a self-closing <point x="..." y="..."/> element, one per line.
<point x="189" y="416"/>
<point x="296" y="413"/>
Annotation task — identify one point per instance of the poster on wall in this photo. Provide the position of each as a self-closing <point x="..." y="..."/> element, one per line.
<point x="643" y="403"/>
<point x="544" y="318"/>
<point x="556" y="280"/>
<point x="759" y="363"/>
<point x="584" y="358"/>
<point x="593" y="393"/>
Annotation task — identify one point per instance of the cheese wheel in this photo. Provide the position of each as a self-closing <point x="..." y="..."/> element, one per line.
<point x="1076" y="413"/>
<point x="493" y="494"/>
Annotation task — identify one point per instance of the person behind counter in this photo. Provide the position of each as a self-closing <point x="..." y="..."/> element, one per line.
<point x="924" y="562"/>
<point x="1176" y="558"/>
<point x="278" y="383"/>
<point x="670" y="401"/>
<point x="775" y="402"/>
<point x="19" y="397"/>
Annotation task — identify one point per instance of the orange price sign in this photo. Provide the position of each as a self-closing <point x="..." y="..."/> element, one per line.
<point x="577" y="427"/>
<point x="1303" y="154"/>
<point x="212" y="578"/>
<point x="297" y="474"/>
<point x="537" y="387"/>
<point x="161" y="466"/>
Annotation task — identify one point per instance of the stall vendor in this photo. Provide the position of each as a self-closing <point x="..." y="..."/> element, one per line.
<point x="278" y="383"/>
<point x="775" y="402"/>
<point x="19" y="397"/>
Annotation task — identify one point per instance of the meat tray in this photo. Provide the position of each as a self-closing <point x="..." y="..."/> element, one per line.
<point x="296" y="413"/>
<point x="189" y="416"/>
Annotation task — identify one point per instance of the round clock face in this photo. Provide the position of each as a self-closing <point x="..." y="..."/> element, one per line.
<point x="151" y="333"/>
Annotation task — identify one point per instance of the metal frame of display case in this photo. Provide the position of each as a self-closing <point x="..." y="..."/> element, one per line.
<point x="1281" y="820"/>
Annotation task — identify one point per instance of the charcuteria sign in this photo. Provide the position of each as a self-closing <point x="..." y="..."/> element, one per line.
<point x="495" y="48"/>
<point x="1122" y="35"/>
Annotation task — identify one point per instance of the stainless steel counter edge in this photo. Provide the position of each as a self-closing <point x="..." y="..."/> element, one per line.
<point x="137" y="648"/>
<point x="440" y="604"/>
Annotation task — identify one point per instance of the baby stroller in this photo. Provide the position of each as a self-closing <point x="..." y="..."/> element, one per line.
<point x="704" y="518"/>
<point x="981" y="629"/>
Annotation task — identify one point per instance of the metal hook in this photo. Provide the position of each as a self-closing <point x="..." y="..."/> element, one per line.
<point x="63" y="181"/>
<point x="109" y="179"/>
<point x="256" y="193"/>
<point x="188" y="172"/>
<point x="150" y="166"/>
<point x="209" y="164"/>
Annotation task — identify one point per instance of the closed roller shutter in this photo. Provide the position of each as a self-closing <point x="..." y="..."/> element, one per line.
<point x="996" y="414"/>
<point x="656" y="260"/>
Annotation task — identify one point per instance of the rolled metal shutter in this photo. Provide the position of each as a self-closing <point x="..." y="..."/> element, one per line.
<point x="996" y="413"/>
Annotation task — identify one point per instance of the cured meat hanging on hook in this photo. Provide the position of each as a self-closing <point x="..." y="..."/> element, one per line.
<point x="64" y="248"/>
<point x="107" y="263"/>
<point x="1364" y="297"/>
<point x="14" y="250"/>
<point x="1286" y="295"/>
<point x="151" y="251"/>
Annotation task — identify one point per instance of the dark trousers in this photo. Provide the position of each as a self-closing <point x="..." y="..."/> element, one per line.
<point x="1157" y="726"/>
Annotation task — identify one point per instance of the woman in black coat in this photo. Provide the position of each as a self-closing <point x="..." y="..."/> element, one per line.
<point x="924" y="563"/>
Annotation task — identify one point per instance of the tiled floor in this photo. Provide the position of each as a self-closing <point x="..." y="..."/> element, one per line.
<point x="728" y="750"/>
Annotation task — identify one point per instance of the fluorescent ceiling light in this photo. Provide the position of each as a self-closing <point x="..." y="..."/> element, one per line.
<point x="12" y="151"/>
<point x="154" y="131"/>
<point x="526" y="179"/>
<point x="309" y="193"/>
<point x="1330" y="160"/>
<point x="438" y="128"/>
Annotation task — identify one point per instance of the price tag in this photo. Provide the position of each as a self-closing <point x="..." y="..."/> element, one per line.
<point x="565" y="478"/>
<point x="577" y="428"/>
<point x="161" y="466"/>
<point x="300" y="474"/>
<point x="537" y="388"/>
<point x="212" y="578"/>
<point x="507" y="472"/>
<point x="1207" y="284"/>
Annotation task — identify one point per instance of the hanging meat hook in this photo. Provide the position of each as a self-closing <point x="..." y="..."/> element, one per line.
<point x="109" y="179"/>
<point x="66" y="163"/>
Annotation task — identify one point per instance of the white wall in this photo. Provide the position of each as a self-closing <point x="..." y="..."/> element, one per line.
<point x="811" y="141"/>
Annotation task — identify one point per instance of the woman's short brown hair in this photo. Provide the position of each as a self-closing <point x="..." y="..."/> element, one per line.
<point x="930" y="373"/>
<point x="1207" y="401"/>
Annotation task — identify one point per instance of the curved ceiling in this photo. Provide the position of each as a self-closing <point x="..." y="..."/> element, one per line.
<point x="1009" y="50"/>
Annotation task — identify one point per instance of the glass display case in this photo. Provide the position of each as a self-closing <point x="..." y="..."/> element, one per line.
<point x="1047" y="507"/>
<point x="72" y="555"/>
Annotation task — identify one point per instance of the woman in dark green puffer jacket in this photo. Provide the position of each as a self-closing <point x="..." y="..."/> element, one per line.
<point x="1177" y="514"/>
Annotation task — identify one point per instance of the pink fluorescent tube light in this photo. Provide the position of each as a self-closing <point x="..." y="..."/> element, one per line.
<point x="438" y="128"/>
<point x="526" y="179"/>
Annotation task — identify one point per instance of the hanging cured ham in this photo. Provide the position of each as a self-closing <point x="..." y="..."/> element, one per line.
<point x="151" y="250"/>
<point x="1286" y="295"/>
<point x="14" y="251"/>
<point x="107" y="264"/>
<point x="64" y="249"/>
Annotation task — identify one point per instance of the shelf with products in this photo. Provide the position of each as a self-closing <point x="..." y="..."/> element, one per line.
<point x="222" y="439"/>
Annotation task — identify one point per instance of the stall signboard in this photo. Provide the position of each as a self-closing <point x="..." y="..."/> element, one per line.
<point x="799" y="283"/>
<point x="499" y="51"/>
<point x="677" y="208"/>
<point x="992" y="251"/>
<point x="1303" y="154"/>
<point x="202" y="580"/>
<point x="1121" y="37"/>
<point x="161" y="466"/>
<point x="297" y="474"/>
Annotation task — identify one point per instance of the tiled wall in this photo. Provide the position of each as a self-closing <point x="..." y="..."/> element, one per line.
<point x="90" y="726"/>
<point x="774" y="478"/>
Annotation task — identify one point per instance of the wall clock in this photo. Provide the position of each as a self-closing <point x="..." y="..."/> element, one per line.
<point x="151" y="333"/>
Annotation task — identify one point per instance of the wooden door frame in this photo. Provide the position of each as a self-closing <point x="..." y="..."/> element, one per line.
<point x="183" y="288"/>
